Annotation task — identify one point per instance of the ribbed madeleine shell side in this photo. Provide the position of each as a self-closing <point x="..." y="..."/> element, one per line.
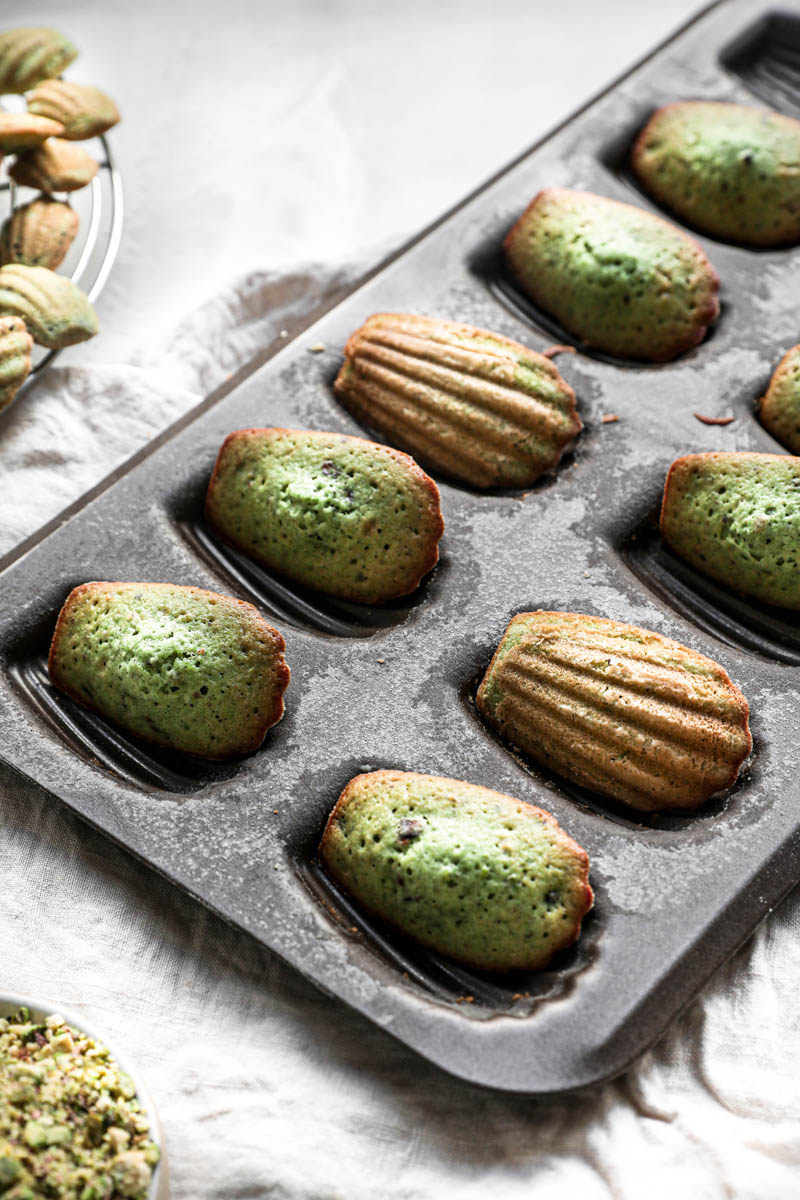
<point x="38" y="234"/>
<point x="55" y="166"/>
<point x="55" y="311"/>
<point x="20" y="132"/>
<point x="83" y="111"/>
<point x="471" y="404"/>
<point x="31" y="54"/>
<point x="15" y="357"/>
<point x="620" y="710"/>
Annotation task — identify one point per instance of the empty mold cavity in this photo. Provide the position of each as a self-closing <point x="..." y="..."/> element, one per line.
<point x="773" y="633"/>
<point x="476" y="994"/>
<point x="766" y="57"/>
<point x="104" y="745"/>
<point x="280" y="598"/>
<point x="490" y="266"/>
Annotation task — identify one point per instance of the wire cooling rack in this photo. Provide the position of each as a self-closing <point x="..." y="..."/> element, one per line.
<point x="91" y="256"/>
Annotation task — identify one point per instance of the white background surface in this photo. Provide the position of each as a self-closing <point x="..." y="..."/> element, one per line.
<point x="259" y="137"/>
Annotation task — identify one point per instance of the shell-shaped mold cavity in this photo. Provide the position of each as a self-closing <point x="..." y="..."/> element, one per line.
<point x="729" y="169"/>
<point x="31" y="54"/>
<point x="336" y="513"/>
<point x="38" y="234"/>
<point x="474" y="874"/>
<point x="55" y="166"/>
<point x="736" y="517"/>
<point x="779" y="409"/>
<point x="55" y="310"/>
<point x="622" y="279"/>
<point x="82" y="110"/>
<point x="623" y="711"/>
<point x="178" y="666"/>
<point x="23" y="131"/>
<point x="15" y="357"/>
<point x="471" y="404"/>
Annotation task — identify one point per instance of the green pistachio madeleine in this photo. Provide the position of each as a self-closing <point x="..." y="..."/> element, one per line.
<point x="55" y="310"/>
<point x="471" y="404"/>
<point x="731" y="170"/>
<point x="178" y="666"/>
<point x="621" y="279"/>
<point x="779" y="410"/>
<point x="623" y="711"/>
<point x="55" y="166"/>
<point x="31" y="54"/>
<point x="15" y="357"/>
<point x="736" y="518"/>
<point x="71" y="1124"/>
<point x="472" y="873"/>
<point x="38" y="234"/>
<point x="337" y="513"/>
<point x="23" y="131"/>
<point x="83" y="111"/>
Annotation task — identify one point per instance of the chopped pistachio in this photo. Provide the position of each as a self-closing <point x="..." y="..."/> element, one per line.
<point x="63" y="1044"/>
<point x="119" y="1139"/>
<point x="100" y="1188"/>
<point x="21" y="1192"/>
<point x="10" y="1171"/>
<point x="71" y="1126"/>
<point x="131" y="1173"/>
<point x="35" y="1135"/>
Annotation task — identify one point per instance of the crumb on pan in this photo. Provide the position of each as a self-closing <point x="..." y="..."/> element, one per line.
<point x="714" y="420"/>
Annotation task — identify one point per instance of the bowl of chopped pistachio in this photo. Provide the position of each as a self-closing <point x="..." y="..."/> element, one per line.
<point x="76" y="1122"/>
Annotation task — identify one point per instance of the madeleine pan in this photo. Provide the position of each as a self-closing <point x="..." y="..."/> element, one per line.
<point x="394" y="687"/>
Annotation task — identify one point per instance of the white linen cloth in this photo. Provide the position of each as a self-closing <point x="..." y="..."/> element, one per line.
<point x="265" y="1087"/>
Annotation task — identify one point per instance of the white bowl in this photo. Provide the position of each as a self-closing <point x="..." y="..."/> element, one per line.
<point x="159" y="1184"/>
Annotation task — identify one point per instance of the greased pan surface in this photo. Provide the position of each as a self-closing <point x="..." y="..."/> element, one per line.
<point x="395" y="688"/>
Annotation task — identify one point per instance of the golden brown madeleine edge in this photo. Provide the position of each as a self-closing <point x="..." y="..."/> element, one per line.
<point x="584" y="897"/>
<point x="405" y="460"/>
<point x="258" y="623"/>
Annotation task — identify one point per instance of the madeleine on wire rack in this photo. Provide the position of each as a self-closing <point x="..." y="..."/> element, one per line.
<point x="55" y="166"/>
<point x="82" y="110"/>
<point x="23" y="131"/>
<point x="30" y="54"/>
<point x="38" y="234"/>
<point x="15" y="357"/>
<point x="54" y="309"/>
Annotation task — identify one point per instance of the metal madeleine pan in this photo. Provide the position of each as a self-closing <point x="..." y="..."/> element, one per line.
<point x="676" y="895"/>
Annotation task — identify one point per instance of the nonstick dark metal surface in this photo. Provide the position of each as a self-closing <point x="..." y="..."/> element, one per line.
<point x="395" y="687"/>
